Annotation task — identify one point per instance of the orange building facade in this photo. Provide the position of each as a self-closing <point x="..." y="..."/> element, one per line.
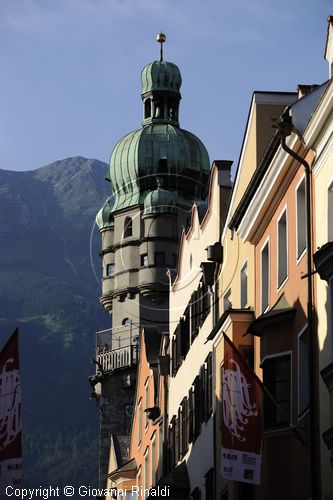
<point x="278" y="233"/>
<point x="141" y="472"/>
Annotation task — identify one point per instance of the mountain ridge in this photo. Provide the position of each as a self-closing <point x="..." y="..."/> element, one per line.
<point x="48" y="288"/>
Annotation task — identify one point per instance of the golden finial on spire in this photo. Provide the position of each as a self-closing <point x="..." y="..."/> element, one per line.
<point x="161" y="39"/>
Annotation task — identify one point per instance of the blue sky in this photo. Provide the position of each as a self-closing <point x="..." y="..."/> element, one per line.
<point x="70" y="69"/>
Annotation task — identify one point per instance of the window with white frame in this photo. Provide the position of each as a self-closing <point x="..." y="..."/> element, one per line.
<point x="282" y="249"/>
<point x="303" y="371"/>
<point x="146" y="471"/>
<point x="227" y="300"/>
<point x="265" y="277"/>
<point x="277" y="380"/>
<point x="243" y="286"/>
<point x="139" y="422"/>
<point x="153" y="461"/>
<point x="330" y="213"/>
<point x="139" y="478"/>
<point x="301" y="218"/>
<point x="146" y="401"/>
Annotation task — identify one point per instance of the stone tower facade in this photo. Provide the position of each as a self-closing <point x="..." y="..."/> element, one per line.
<point x="156" y="172"/>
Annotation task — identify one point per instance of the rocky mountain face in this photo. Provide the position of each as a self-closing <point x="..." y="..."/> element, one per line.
<point x="49" y="287"/>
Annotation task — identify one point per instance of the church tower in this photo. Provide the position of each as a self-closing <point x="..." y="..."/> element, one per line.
<point x="156" y="172"/>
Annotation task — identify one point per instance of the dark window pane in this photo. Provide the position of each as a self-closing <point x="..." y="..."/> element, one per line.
<point x="128" y="227"/>
<point x="277" y="379"/>
<point x="159" y="259"/>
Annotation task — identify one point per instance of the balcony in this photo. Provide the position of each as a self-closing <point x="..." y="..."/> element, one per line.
<point x="114" y="359"/>
<point x="117" y="348"/>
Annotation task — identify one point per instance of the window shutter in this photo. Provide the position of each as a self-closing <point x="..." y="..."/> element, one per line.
<point x="209" y="385"/>
<point x="180" y="430"/>
<point x="176" y="440"/>
<point x="196" y="410"/>
<point x="192" y="310"/>
<point x="184" y="429"/>
<point x="203" y="398"/>
<point x="179" y="356"/>
<point x="190" y="423"/>
<point x="174" y="354"/>
<point x="172" y="444"/>
<point x="205" y="302"/>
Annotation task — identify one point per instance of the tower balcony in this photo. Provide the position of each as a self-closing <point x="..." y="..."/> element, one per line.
<point x="117" y="348"/>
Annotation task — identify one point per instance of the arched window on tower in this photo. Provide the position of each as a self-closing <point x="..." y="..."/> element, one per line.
<point x="147" y="108"/>
<point x="159" y="109"/>
<point x="173" y="111"/>
<point x="128" y="227"/>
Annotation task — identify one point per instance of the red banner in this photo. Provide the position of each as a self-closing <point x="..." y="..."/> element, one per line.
<point x="10" y="415"/>
<point x="241" y="419"/>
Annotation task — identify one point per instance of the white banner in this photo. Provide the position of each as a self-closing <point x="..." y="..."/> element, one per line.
<point x="240" y="466"/>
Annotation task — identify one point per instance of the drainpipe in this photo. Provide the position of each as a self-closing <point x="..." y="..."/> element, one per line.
<point x="285" y="128"/>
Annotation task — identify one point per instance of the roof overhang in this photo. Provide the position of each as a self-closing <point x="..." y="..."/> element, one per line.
<point x="280" y="312"/>
<point x="127" y="471"/>
<point x="176" y="482"/>
<point x="234" y="314"/>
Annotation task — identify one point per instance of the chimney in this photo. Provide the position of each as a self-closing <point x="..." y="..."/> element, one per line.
<point x="329" y="45"/>
<point x="303" y="90"/>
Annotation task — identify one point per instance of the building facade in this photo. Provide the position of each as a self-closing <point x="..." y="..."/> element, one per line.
<point x="253" y="262"/>
<point x="193" y="313"/>
<point x="238" y="271"/>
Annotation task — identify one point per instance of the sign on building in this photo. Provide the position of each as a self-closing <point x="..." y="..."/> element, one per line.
<point x="10" y="416"/>
<point x="241" y="418"/>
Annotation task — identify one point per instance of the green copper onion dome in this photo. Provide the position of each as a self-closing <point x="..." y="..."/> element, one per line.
<point x="160" y="76"/>
<point x="161" y="200"/>
<point x="160" y="148"/>
<point x="178" y="157"/>
<point x="104" y="218"/>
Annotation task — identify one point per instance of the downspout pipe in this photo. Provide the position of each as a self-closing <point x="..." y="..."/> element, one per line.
<point x="285" y="127"/>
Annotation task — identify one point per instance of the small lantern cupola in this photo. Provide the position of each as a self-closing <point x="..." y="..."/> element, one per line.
<point x="161" y="81"/>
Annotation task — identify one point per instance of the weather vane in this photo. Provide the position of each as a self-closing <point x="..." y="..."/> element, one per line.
<point x="161" y="39"/>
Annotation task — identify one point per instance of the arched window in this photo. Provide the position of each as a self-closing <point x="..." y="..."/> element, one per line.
<point x="147" y="108"/>
<point x="159" y="109"/>
<point x="128" y="227"/>
<point x="126" y="322"/>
